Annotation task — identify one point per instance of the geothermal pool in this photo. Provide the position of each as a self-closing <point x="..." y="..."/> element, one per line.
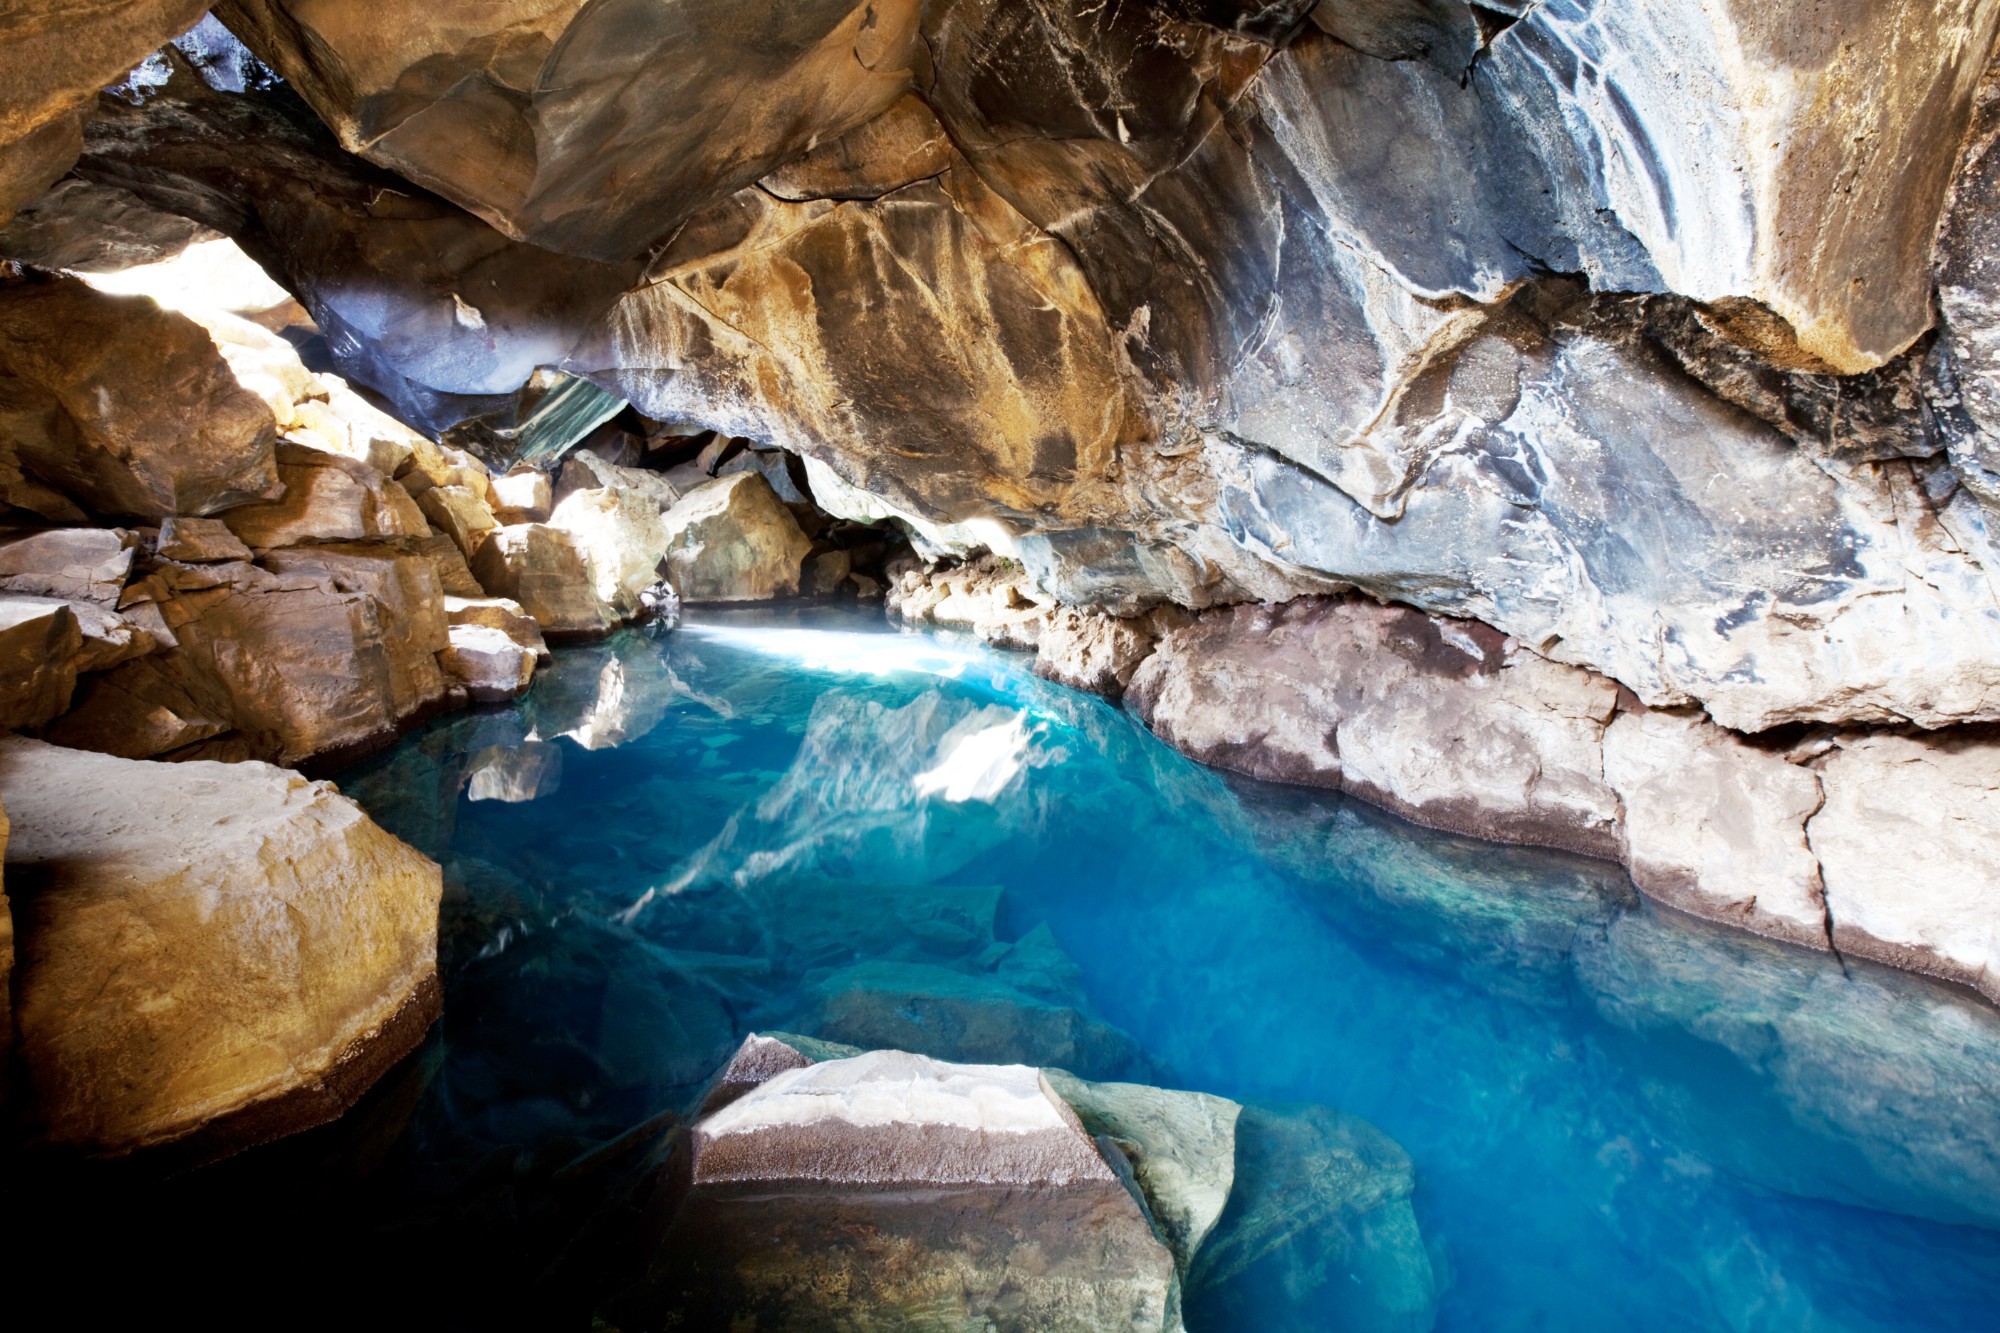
<point x="812" y="822"/>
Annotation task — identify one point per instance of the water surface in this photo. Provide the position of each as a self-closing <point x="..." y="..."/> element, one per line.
<point x="1617" y="1118"/>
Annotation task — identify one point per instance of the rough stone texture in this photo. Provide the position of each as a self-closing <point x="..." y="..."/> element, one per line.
<point x="798" y="1209"/>
<point x="491" y="665"/>
<point x="1717" y="827"/>
<point x="537" y="116"/>
<point x="330" y="657"/>
<point x="87" y="228"/>
<point x="731" y="540"/>
<point x="543" y="570"/>
<point x="87" y="564"/>
<point x="1908" y="841"/>
<point x="523" y="496"/>
<point x="199" y="541"/>
<point x="584" y="470"/>
<point x="623" y="539"/>
<point x="497" y="613"/>
<point x="39" y="644"/>
<point x="209" y="955"/>
<point x="123" y="408"/>
<point x="327" y="497"/>
<point x="1444" y="722"/>
<point x="59" y="56"/>
<point x="459" y="513"/>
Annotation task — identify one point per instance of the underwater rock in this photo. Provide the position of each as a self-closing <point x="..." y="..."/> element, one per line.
<point x="732" y="540"/>
<point x="123" y="408"/>
<point x="209" y="955"/>
<point x="514" y="773"/>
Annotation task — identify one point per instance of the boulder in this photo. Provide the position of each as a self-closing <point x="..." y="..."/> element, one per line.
<point x="524" y="495"/>
<point x="544" y="571"/>
<point x="732" y="540"/>
<point x="39" y="645"/>
<point x="490" y="664"/>
<point x="125" y="408"/>
<point x="585" y="470"/>
<point x="60" y="58"/>
<point x="199" y="541"/>
<point x="332" y="656"/>
<point x="80" y="564"/>
<point x="1445" y="722"/>
<point x="1091" y="652"/>
<point x="623" y="539"/>
<point x="799" y="1207"/>
<point x="327" y="497"/>
<point x="497" y="613"/>
<point x="108" y="637"/>
<point x="459" y="513"/>
<point x="1716" y="826"/>
<point x="209" y="955"/>
<point x="1907" y="842"/>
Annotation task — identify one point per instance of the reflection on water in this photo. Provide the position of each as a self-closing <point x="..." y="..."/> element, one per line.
<point x="1612" y="1117"/>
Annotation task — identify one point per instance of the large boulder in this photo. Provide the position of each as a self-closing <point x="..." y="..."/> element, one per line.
<point x="546" y="572"/>
<point x="121" y="407"/>
<point x="800" y="1209"/>
<point x="328" y="497"/>
<point x="39" y="644"/>
<point x="209" y="955"/>
<point x="623" y="539"/>
<point x="86" y="564"/>
<point x="733" y="540"/>
<point x="329" y="654"/>
<point x="1908" y="842"/>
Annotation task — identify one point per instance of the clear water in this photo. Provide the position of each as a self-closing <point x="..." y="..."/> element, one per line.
<point x="811" y="822"/>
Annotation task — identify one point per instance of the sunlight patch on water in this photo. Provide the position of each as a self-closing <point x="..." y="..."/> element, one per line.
<point x="846" y="651"/>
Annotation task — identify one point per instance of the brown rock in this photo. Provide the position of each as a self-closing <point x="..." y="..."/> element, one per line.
<point x="903" y="145"/>
<point x="39" y="644"/>
<point x="543" y="569"/>
<point x="328" y="497"/>
<point x="459" y="513"/>
<point x="200" y="541"/>
<point x="84" y="564"/>
<point x="6" y="971"/>
<point x="330" y="657"/>
<point x="732" y="540"/>
<point x="585" y="470"/>
<point x="59" y="57"/>
<point x="125" y="408"/>
<point x="209" y="955"/>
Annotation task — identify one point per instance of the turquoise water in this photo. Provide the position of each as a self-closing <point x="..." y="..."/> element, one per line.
<point x="810" y="822"/>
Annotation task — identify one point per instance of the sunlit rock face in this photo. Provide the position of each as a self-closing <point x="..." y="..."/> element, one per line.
<point x="1201" y="303"/>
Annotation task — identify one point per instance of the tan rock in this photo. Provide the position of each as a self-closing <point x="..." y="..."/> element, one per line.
<point x="623" y="538"/>
<point x="585" y="470"/>
<point x="732" y="540"/>
<point x="454" y="574"/>
<point x="524" y="495"/>
<point x="294" y="665"/>
<point x="492" y="666"/>
<point x="1092" y="652"/>
<point x="434" y="464"/>
<point x="543" y="569"/>
<point x="1715" y="826"/>
<point x="199" y="541"/>
<point x="59" y="57"/>
<point x="497" y="613"/>
<point x="125" y="408"/>
<point x="327" y="498"/>
<point x="39" y="644"/>
<point x="210" y="955"/>
<point x="1908" y="842"/>
<point x="459" y="513"/>
<point x="81" y="564"/>
<point x="824" y="573"/>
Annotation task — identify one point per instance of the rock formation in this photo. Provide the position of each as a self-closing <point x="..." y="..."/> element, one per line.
<point x="208" y="955"/>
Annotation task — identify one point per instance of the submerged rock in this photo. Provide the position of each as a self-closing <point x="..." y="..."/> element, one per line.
<point x="210" y="955"/>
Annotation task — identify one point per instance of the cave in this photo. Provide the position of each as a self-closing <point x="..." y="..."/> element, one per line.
<point x="1023" y="665"/>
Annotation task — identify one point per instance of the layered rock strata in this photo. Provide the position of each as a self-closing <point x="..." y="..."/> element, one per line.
<point x="208" y="955"/>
